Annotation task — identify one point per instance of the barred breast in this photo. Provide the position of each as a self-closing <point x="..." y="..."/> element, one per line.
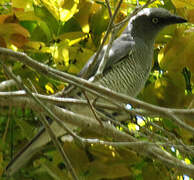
<point x="129" y="75"/>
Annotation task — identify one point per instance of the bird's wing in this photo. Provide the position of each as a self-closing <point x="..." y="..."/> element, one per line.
<point x="121" y="47"/>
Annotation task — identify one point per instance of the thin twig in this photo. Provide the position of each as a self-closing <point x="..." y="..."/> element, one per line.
<point x="173" y="137"/>
<point x="119" y="25"/>
<point x="109" y="9"/>
<point x="92" y="108"/>
<point x="58" y="145"/>
<point x="92" y="65"/>
<point x="7" y="125"/>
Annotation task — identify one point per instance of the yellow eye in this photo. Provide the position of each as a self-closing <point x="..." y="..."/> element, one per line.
<point x="155" y="20"/>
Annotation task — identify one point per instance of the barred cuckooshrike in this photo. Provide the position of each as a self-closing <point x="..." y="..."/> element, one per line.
<point x="126" y="71"/>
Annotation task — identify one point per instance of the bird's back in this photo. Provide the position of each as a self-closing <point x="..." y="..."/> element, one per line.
<point x="130" y="73"/>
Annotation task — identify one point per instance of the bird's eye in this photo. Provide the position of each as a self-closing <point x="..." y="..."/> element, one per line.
<point x="155" y="20"/>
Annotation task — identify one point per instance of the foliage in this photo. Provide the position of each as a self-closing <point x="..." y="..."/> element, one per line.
<point x="64" y="34"/>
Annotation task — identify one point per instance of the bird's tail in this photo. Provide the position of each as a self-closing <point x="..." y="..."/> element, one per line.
<point x="31" y="148"/>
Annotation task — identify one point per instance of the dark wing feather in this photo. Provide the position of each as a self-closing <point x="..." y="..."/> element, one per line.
<point x="121" y="47"/>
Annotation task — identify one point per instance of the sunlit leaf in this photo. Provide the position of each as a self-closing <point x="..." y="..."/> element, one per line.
<point x="84" y="13"/>
<point x="49" y="88"/>
<point x="190" y="15"/>
<point x="98" y="23"/>
<point x="48" y="22"/>
<point x="78" y="57"/>
<point x="183" y="3"/>
<point x="14" y="33"/>
<point x="27" y="4"/>
<point x="62" y="10"/>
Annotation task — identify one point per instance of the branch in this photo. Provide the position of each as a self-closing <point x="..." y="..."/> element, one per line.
<point x="44" y="121"/>
<point x="7" y="84"/>
<point x="116" y="98"/>
<point x="109" y="9"/>
<point x="16" y="95"/>
<point x="91" y="125"/>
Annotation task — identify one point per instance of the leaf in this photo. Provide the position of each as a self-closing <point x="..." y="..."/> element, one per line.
<point x="35" y="45"/>
<point x="62" y="10"/>
<point x="183" y="3"/>
<point x="48" y="22"/>
<point x="18" y="40"/>
<point x="22" y="4"/>
<point x="82" y="17"/>
<point x="26" y="16"/>
<point x="25" y="129"/>
<point x="98" y="23"/>
<point x="71" y="25"/>
<point x="2" y="42"/>
<point x="78" y="57"/>
<point x="12" y="28"/>
<point x="190" y="15"/>
<point x="178" y="53"/>
<point x="14" y="33"/>
<point x="49" y="88"/>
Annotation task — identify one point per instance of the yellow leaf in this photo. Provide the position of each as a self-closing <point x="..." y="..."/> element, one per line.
<point x="187" y="161"/>
<point x="73" y="37"/>
<point x="26" y="16"/>
<point x="35" y="45"/>
<point x="84" y="14"/>
<point x="62" y="10"/>
<point x="7" y="29"/>
<point x="65" y="55"/>
<point x="190" y="15"/>
<point x="80" y="56"/>
<point x="14" y="33"/>
<point x="132" y="127"/>
<point x="183" y="3"/>
<point x="60" y="53"/>
<point x="27" y="4"/>
<point x="66" y="14"/>
<point x="179" y="51"/>
<point x="49" y="88"/>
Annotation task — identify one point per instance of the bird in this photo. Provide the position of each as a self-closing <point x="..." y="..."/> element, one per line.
<point x="127" y="69"/>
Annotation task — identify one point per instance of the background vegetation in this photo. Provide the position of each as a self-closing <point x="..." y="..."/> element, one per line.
<point x="64" y="34"/>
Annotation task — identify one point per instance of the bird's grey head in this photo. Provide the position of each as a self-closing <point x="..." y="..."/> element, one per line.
<point x="149" y="21"/>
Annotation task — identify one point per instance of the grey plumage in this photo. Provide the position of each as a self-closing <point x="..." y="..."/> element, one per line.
<point x="126" y="71"/>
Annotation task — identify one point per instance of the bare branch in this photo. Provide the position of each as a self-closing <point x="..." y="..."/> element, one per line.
<point x="7" y="84"/>
<point x="109" y="9"/>
<point x="44" y="121"/>
<point x="116" y="98"/>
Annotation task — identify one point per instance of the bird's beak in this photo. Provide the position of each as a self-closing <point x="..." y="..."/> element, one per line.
<point x="176" y="20"/>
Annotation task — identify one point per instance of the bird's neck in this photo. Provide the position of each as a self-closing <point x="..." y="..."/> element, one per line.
<point x="136" y="33"/>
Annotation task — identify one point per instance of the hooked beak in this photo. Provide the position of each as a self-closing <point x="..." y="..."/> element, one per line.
<point x="176" y="20"/>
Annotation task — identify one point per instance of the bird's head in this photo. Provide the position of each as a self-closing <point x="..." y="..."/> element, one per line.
<point x="149" y="21"/>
